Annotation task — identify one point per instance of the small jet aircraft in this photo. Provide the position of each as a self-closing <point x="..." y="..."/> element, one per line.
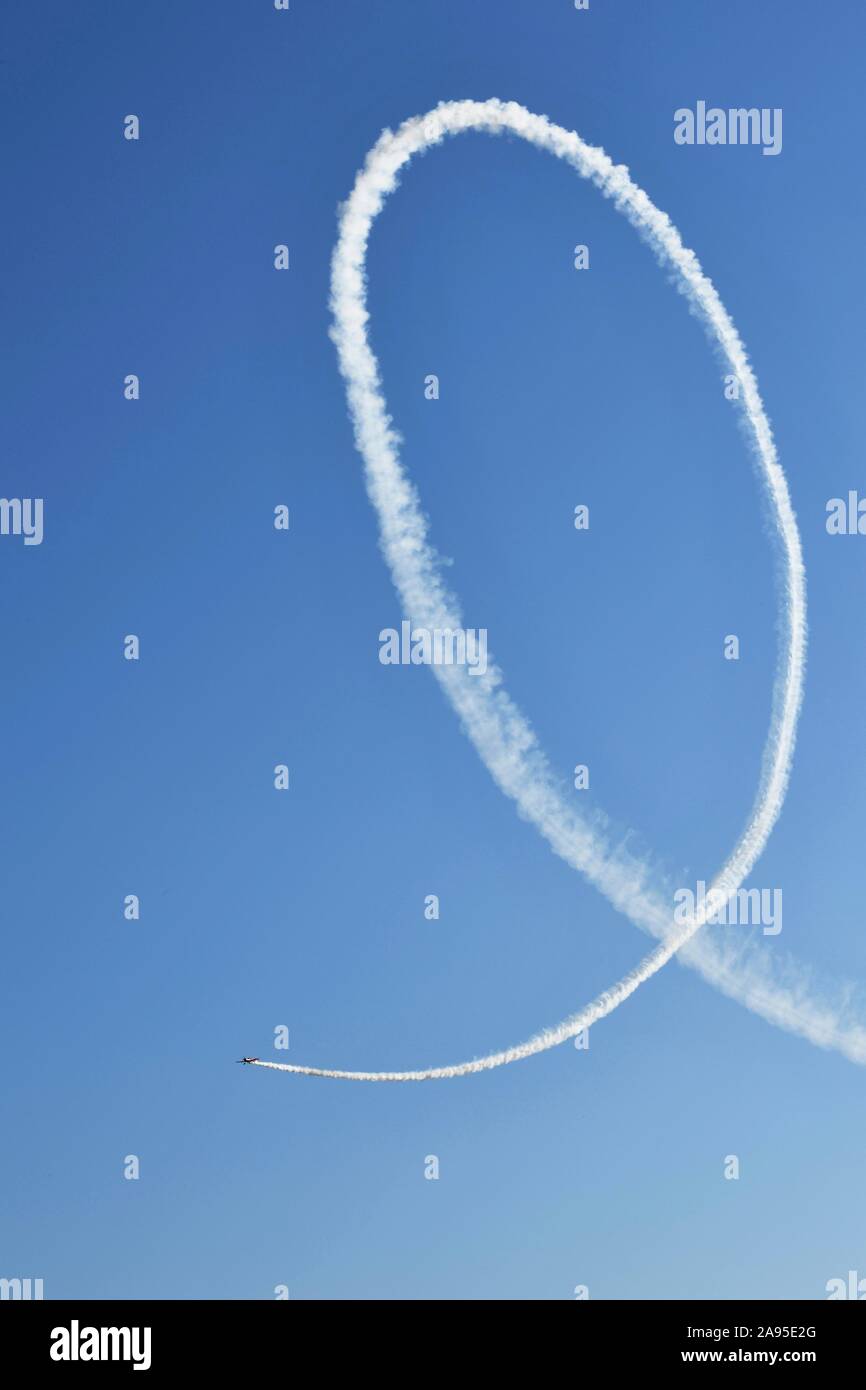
<point x="247" y="1060"/>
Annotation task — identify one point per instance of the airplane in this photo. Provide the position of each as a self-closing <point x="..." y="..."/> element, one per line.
<point x="247" y="1060"/>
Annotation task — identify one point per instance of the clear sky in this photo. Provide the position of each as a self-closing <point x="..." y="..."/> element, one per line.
<point x="305" y="908"/>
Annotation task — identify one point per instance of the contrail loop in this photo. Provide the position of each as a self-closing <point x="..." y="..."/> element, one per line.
<point x="497" y="728"/>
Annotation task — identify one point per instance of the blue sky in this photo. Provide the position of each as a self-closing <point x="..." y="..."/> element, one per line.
<point x="602" y="1168"/>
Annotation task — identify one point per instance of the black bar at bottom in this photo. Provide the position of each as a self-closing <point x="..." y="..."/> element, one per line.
<point x="75" y="1337"/>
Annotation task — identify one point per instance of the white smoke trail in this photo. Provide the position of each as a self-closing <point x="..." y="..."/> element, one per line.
<point x="498" y="729"/>
<point x="600" y="1007"/>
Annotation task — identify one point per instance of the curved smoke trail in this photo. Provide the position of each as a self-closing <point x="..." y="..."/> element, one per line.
<point x="497" y="728"/>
